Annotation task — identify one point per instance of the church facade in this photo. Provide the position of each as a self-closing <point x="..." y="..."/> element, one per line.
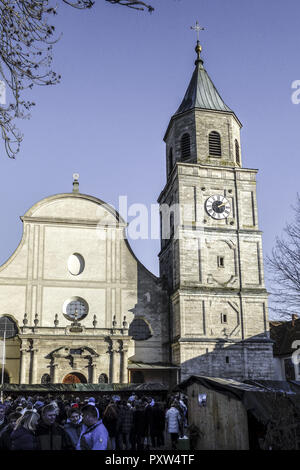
<point x="77" y="306"/>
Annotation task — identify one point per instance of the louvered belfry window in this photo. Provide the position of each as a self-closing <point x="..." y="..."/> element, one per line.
<point x="214" y="140"/>
<point x="237" y="152"/>
<point x="185" y="146"/>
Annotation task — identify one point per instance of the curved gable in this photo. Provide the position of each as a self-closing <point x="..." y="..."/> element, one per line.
<point x="74" y="207"/>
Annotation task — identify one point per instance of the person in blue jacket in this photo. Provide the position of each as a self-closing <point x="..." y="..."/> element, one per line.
<point x="94" y="435"/>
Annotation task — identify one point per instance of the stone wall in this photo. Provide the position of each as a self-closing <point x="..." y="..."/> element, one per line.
<point x="218" y="292"/>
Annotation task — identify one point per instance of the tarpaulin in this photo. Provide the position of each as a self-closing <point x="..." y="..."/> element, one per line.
<point x="79" y="387"/>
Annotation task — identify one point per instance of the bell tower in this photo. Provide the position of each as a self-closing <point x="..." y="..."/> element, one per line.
<point x="211" y="245"/>
<point x="204" y="129"/>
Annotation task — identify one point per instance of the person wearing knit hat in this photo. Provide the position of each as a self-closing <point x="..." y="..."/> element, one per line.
<point x="38" y="404"/>
<point x="116" y="398"/>
<point x="73" y="426"/>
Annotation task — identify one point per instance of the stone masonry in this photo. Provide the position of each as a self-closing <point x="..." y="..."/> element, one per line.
<point x="214" y="267"/>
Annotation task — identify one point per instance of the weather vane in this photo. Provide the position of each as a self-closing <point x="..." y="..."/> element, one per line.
<point x="197" y="28"/>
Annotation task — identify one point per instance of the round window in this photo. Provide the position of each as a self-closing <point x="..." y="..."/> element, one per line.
<point x="75" y="308"/>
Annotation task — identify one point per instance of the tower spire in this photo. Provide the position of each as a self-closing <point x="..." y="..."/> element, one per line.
<point x="198" y="47"/>
<point x="201" y="92"/>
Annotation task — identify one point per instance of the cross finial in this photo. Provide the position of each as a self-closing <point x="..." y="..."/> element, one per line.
<point x="198" y="48"/>
<point x="197" y="28"/>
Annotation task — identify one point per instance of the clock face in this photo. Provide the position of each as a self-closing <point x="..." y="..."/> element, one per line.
<point x="218" y="207"/>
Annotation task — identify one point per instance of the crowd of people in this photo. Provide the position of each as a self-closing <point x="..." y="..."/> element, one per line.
<point x="106" y="423"/>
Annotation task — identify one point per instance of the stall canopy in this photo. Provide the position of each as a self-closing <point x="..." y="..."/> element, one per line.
<point x="85" y="388"/>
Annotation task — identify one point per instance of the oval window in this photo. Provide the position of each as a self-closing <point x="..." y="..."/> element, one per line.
<point x="75" y="264"/>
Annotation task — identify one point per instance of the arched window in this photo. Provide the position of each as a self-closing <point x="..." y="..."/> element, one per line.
<point x="171" y="163"/>
<point x="214" y="140"/>
<point x="185" y="146"/>
<point x="139" y="330"/>
<point x="5" y="377"/>
<point x="45" y="380"/>
<point x="237" y="152"/>
<point x="137" y="377"/>
<point x="8" y="327"/>
<point x="103" y="379"/>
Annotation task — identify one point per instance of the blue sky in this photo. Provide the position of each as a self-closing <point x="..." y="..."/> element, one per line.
<point x="124" y="73"/>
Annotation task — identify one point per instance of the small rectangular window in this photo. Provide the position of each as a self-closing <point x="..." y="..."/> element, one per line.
<point x="227" y="359"/>
<point x="224" y="318"/>
<point x="75" y="351"/>
<point x="221" y="262"/>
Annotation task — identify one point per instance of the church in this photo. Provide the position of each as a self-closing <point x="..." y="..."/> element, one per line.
<point x="77" y="306"/>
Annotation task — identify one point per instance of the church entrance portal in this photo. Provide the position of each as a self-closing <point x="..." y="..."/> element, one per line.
<point x="74" y="378"/>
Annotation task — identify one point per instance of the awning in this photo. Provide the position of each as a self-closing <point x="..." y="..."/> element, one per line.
<point x="85" y="388"/>
<point x="156" y="366"/>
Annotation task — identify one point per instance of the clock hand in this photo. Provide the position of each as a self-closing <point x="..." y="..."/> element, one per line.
<point x="224" y="203"/>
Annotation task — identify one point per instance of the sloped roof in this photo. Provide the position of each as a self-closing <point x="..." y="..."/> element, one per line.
<point x="284" y="334"/>
<point x="155" y="365"/>
<point x="202" y="93"/>
<point x="230" y="387"/>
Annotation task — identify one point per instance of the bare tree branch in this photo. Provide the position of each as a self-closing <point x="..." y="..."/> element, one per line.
<point x="136" y="5"/>
<point x="26" y="43"/>
<point x="284" y="268"/>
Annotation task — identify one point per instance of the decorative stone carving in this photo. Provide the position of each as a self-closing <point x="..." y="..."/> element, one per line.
<point x="25" y="320"/>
